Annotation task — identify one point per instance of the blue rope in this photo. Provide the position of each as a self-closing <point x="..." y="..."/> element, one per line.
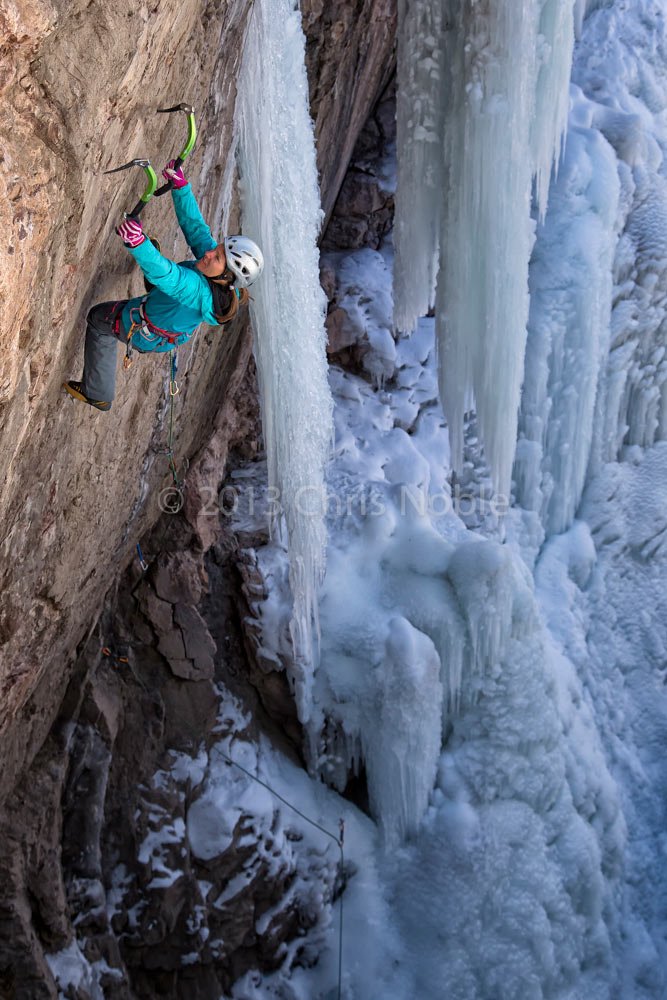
<point x="142" y="561"/>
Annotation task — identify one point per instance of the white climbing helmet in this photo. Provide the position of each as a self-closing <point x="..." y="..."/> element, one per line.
<point x="244" y="258"/>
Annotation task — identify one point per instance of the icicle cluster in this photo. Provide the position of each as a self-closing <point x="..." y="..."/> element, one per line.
<point x="555" y="43"/>
<point x="281" y="210"/>
<point x="502" y="114"/>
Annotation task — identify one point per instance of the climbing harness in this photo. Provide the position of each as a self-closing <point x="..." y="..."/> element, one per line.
<point x="151" y="331"/>
<point x="136" y="323"/>
<point x="153" y="334"/>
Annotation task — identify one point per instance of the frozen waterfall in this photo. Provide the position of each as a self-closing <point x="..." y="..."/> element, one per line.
<point x="501" y="121"/>
<point x="281" y="210"/>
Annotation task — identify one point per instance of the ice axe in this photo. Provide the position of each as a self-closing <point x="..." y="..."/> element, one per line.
<point x="150" y="186"/>
<point x="189" y="145"/>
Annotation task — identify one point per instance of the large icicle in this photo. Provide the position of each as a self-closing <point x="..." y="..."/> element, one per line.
<point x="419" y="137"/>
<point x="502" y="120"/>
<point x="281" y="210"/>
<point x="555" y="45"/>
<point x="487" y="234"/>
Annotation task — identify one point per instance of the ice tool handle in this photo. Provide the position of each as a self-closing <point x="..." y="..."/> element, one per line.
<point x="151" y="184"/>
<point x="189" y="145"/>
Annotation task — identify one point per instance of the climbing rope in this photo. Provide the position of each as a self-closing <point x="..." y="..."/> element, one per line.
<point x="339" y="841"/>
<point x="142" y="561"/>
<point x="192" y="350"/>
<point x="179" y="484"/>
<point x="173" y="393"/>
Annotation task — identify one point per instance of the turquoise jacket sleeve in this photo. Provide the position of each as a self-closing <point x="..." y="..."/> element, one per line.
<point x="191" y="221"/>
<point x="181" y="283"/>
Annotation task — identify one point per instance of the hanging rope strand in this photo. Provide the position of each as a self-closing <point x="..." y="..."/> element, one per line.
<point x="173" y="392"/>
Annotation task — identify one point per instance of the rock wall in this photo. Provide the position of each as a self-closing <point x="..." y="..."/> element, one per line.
<point x="106" y="888"/>
<point x="362" y="34"/>
<point x="79" y="85"/>
<point x="79" y="96"/>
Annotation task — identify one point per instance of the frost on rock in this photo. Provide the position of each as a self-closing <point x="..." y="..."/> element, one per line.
<point x="281" y="210"/>
<point x="278" y="827"/>
<point x="72" y="971"/>
<point x="492" y="146"/>
<point x="364" y="293"/>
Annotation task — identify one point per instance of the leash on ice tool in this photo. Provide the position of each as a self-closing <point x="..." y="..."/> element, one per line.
<point x="338" y="840"/>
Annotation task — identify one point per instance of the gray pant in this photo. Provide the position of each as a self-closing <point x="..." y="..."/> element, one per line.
<point x="99" y="366"/>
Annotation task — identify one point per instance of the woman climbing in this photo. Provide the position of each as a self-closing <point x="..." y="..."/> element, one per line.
<point x="208" y="289"/>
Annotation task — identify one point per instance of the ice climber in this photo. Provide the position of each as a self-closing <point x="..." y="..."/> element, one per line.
<point x="209" y="289"/>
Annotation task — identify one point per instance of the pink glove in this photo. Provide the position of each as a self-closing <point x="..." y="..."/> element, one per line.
<point x="131" y="232"/>
<point x="174" y="175"/>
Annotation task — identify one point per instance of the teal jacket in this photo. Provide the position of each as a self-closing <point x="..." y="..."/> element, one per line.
<point x="181" y="298"/>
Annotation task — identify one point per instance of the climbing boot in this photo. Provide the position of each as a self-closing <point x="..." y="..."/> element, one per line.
<point x="74" y="390"/>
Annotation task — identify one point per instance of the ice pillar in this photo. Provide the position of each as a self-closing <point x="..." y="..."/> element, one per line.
<point x="281" y="210"/>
